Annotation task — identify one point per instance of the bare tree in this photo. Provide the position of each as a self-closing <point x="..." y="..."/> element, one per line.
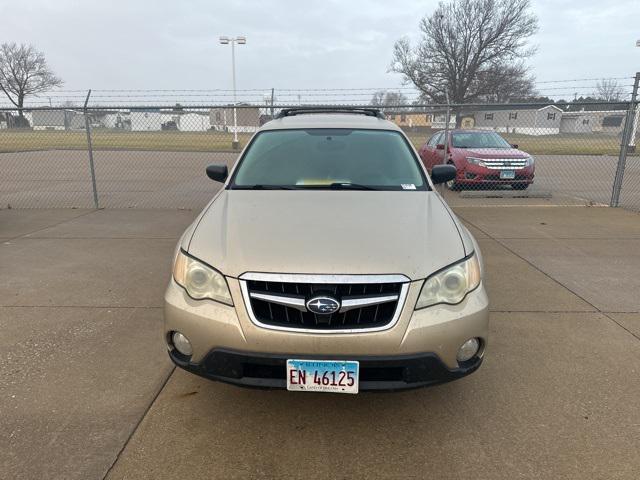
<point x="470" y="50"/>
<point x="378" y="98"/>
<point x="23" y="72"/>
<point x="609" y="90"/>
<point x="386" y="98"/>
<point x="507" y="82"/>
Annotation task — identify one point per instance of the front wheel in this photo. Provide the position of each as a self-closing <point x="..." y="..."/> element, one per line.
<point x="520" y="186"/>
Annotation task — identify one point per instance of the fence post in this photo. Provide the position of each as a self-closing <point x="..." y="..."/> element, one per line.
<point x="87" y="127"/>
<point x="636" y="120"/>
<point x="273" y="97"/>
<point x="447" y="119"/>
<point x="624" y="145"/>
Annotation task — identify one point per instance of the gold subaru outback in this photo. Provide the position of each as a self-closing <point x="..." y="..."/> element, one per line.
<point x="328" y="263"/>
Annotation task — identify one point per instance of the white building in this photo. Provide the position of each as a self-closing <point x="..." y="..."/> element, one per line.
<point x="609" y="122"/>
<point x="194" y="122"/>
<point x="515" y="119"/>
<point x="146" y="120"/>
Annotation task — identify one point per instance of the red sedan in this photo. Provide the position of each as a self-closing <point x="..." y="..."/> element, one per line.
<point x="482" y="159"/>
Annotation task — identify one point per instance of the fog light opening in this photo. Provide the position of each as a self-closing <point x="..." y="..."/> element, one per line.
<point x="181" y="344"/>
<point x="468" y="349"/>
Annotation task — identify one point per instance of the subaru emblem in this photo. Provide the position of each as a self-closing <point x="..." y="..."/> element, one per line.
<point x="323" y="305"/>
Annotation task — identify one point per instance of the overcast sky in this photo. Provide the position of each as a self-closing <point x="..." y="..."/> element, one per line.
<point x="290" y="44"/>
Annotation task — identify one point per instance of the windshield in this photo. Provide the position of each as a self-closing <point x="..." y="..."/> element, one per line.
<point x="329" y="159"/>
<point x="479" y="140"/>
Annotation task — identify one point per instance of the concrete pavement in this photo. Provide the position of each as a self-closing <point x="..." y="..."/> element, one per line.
<point x="81" y="353"/>
<point x="88" y="390"/>
<point x="162" y="179"/>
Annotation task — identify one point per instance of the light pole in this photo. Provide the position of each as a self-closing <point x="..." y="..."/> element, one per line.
<point x="233" y="41"/>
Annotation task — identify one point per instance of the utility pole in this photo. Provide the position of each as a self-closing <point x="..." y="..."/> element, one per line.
<point x="240" y="41"/>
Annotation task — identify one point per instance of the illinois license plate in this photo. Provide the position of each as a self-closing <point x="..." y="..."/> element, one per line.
<point x="337" y="376"/>
<point x="508" y="174"/>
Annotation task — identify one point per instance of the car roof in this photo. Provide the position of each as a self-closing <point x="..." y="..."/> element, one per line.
<point x="329" y="120"/>
<point x="462" y="130"/>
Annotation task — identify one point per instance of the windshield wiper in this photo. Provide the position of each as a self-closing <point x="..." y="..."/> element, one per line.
<point x="350" y="186"/>
<point x="261" y="187"/>
<point x="335" y="186"/>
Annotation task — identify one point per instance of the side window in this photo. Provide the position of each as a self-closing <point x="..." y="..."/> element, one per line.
<point x="432" y="140"/>
<point x="551" y="116"/>
<point x="488" y="116"/>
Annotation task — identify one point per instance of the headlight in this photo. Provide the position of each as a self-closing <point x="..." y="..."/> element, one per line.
<point x="476" y="161"/>
<point x="450" y="285"/>
<point x="529" y="161"/>
<point x="200" y="280"/>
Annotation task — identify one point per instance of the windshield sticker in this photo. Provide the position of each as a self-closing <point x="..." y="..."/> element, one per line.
<point x="319" y="181"/>
<point x="408" y="186"/>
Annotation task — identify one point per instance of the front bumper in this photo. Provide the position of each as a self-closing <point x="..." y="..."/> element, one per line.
<point x="260" y="370"/>
<point x="478" y="175"/>
<point x="420" y="349"/>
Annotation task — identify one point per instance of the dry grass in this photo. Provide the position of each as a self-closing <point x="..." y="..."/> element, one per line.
<point x="16" y="141"/>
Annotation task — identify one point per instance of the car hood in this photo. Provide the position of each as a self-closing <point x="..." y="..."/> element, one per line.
<point x="327" y="232"/>
<point x="492" y="152"/>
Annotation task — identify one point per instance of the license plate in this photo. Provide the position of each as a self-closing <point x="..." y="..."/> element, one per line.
<point x="336" y="376"/>
<point x="508" y="174"/>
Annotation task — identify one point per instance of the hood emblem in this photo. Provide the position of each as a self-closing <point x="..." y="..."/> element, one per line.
<point x="323" y="305"/>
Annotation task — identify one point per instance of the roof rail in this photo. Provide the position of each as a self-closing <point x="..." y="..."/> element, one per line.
<point x="370" y="112"/>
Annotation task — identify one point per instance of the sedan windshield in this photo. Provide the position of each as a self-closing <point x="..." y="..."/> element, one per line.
<point x="479" y="140"/>
<point x="344" y="159"/>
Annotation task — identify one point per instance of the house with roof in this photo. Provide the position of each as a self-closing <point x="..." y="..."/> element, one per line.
<point x="408" y="120"/>
<point x="523" y="119"/>
<point x="247" y="118"/>
<point x="57" y="120"/>
<point x="608" y="122"/>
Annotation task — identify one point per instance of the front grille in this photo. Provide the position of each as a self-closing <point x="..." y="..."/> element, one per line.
<point x="498" y="179"/>
<point x="277" y="310"/>
<point x="505" y="163"/>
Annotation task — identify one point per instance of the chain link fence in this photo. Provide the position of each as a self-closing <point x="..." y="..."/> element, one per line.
<point x="155" y="157"/>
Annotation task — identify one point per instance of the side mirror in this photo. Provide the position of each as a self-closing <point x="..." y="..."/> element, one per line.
<point x="442" y="173"/>
<point x="217" y="172"/>
<point x="514" y="145"/>
<point x="440" y="146"/>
